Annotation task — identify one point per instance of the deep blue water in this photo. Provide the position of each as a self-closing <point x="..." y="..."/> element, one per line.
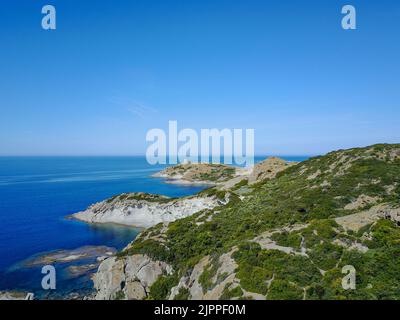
<point x="36" y="193"/>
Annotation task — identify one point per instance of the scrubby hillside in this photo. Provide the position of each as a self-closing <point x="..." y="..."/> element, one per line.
<point x="288" y="237"/>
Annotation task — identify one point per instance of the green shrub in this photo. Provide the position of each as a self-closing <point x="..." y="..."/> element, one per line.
<point x="227" y="294"/>
<point x="183" y="294"/>
<point x="287" y="239"/>
<point x="284" y="290"/>
<point x="120" y="295"/>
<point x="161" y="288"/>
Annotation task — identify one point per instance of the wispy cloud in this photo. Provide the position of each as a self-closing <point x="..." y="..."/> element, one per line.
<point x="138" y="109"/>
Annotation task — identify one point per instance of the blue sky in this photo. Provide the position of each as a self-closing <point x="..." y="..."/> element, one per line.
<point x="115" y="69"/>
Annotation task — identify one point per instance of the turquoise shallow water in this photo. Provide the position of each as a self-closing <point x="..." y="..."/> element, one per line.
<point x="36" y="193"/>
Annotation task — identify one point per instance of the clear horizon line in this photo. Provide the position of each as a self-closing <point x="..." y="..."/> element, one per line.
<point x="143" y="155"/>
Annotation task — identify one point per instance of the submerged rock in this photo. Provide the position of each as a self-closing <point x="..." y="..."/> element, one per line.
<point x="80" y="270"/>
<point x="66" y="256"/>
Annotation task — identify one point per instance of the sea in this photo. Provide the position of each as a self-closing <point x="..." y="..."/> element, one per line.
<point x="38" y="193"/>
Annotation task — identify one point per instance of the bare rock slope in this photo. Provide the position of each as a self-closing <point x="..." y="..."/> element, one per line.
<point x="144" y="210"/>
<point x="128" y="278"/>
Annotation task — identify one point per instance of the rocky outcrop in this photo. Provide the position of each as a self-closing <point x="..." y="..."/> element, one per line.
<point x="191" y="282"/>
<point x="224" y="277"/>
<point x="362" y="201"/>
<point x="132" y="210"/>
<point x="268" y="169"/>
<point x="197" y="173"/>
<point x="128" y="278"/>
<point x="222" y="175"/>
<point x="16" y="295"/>
<point x="131" y="277"/>
<point x="358" y="220"/>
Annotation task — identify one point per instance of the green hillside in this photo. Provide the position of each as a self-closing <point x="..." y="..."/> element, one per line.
<point x="286" y="235"/>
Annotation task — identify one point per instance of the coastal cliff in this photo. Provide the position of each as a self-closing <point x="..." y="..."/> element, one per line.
<point x="144" y="210"/>
<point x="284" y="236"/>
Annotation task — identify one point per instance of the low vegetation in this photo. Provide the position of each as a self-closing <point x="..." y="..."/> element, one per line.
<point x="312" y="193"/>
<point x="140" y="196"/>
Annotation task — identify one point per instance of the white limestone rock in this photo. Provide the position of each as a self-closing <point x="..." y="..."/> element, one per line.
<point x="128" y="277"/>
<point x="129" y="209"/>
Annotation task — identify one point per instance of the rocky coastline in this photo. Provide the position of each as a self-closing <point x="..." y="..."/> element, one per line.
<point x="130" y="277"/>
<point x="327" y="207"/>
